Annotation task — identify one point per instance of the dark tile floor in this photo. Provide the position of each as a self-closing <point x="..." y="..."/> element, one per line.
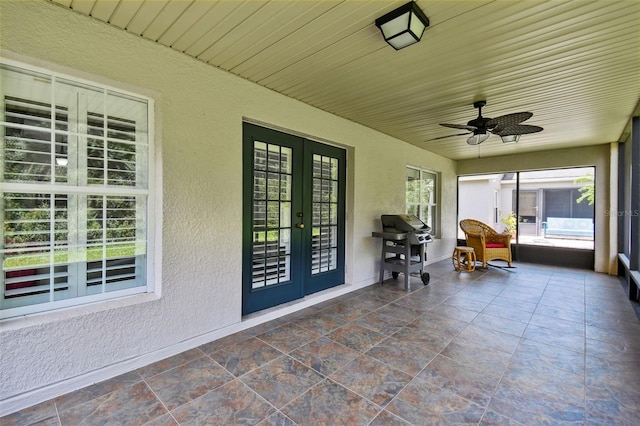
<point x="533" y="345"/>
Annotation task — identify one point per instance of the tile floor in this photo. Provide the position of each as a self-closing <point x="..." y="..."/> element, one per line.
<point x="533" y="345"/>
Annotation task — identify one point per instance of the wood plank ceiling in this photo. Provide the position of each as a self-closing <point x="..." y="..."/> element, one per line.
<point x="574" y="64"/>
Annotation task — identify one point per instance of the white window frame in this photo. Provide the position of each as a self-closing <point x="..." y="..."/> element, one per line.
<point x="423" y="206"/>
<point x="145" y="251"/>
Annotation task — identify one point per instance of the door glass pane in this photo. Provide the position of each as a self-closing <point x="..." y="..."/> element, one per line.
<point x="333" y="259"/>
<point x="260" y="156"/>
<point x="273" y="186"/>
<point x="285" y="187"/>
<point x="273" y="157"/>
<point x="324" y="208"/>
<point x="317" y="189"/>
<point x="259" y="185"/>
<point x="259" y="216"/>
<point x="317" y="166"/>
<point x="333" y="218"/>
<point x="334" y="169"/>
<point x="285" y="163"/>
<point x="285" y="244"/>
<point x="271" y="215"/>
<point x="285" y="215"/>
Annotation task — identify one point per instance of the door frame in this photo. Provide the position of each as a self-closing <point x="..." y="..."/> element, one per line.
<point x="302" y="282"/>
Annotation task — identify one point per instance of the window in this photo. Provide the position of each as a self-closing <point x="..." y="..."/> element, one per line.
<point x="75" y="189"/>
<point x="528" y="207"/>
<point x="422" y="196"/>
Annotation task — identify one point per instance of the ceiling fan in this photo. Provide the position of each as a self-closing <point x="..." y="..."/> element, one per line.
<point x="508" y="126"/>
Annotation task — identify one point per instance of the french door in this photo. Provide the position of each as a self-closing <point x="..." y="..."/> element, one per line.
<point x="293" y="217"/>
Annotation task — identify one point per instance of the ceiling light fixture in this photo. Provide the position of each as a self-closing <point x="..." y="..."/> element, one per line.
<point x="510" y="138"/>
<point x="479" y="136"/>
<point x="403" y="26"/>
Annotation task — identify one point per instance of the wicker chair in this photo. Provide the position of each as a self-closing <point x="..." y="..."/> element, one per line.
<point x="486" y="242"/>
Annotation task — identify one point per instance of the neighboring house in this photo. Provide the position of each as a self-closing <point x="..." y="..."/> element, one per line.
<point x="193" y="294"/>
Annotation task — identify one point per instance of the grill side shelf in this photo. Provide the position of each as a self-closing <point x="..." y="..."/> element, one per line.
<point x="393" y="236"/>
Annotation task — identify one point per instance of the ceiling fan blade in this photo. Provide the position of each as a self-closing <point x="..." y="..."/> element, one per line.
<point x="518" y="129"/>
<point x="448" y="136"/>
<point x="509" y="119"/>
<point x="459" y="126"/>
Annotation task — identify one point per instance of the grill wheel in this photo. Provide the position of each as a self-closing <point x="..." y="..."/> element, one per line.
<point x="425" y="277"/>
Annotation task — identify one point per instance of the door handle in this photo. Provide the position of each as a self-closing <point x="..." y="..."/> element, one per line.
<point x="300" y="225"/>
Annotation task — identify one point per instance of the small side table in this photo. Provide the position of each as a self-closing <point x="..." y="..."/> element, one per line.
<point x="464" y="259"/>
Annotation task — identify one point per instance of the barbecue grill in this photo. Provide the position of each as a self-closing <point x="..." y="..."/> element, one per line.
<point x="404" y="240"/>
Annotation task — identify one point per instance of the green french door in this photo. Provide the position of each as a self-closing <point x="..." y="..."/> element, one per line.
<point x="293" y="217"/>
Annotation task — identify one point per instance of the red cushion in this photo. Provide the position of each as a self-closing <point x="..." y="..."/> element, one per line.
<point x="494" y="245"/>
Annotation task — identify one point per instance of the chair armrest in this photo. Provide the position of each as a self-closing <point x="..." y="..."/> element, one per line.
<point x="475" y="240"/>
<point x="500" y="239"/>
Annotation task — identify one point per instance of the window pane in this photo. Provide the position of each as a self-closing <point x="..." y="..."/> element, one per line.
<point x="111" y="155"/>
<point x="421" y="196"/>
<point x="427" y="190"/>
<point x="34" y="255"/>
<point x="79" y="98"/>
<point x="128" y="140"/>
<point x="29" y="152"/>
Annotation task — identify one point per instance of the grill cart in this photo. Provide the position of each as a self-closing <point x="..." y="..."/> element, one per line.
<point x="404" y="241"/>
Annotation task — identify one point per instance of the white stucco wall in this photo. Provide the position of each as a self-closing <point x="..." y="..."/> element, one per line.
<point x="198" y="129"/>
<point x="598" y="156"/>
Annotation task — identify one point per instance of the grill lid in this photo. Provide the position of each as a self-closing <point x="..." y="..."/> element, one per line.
<point x="403" y="223"/>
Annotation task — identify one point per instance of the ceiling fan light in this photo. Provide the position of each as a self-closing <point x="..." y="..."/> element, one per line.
<point x="510" y="138"/>
<point x="403" y="26"/>
<point x="477" y="138"/>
